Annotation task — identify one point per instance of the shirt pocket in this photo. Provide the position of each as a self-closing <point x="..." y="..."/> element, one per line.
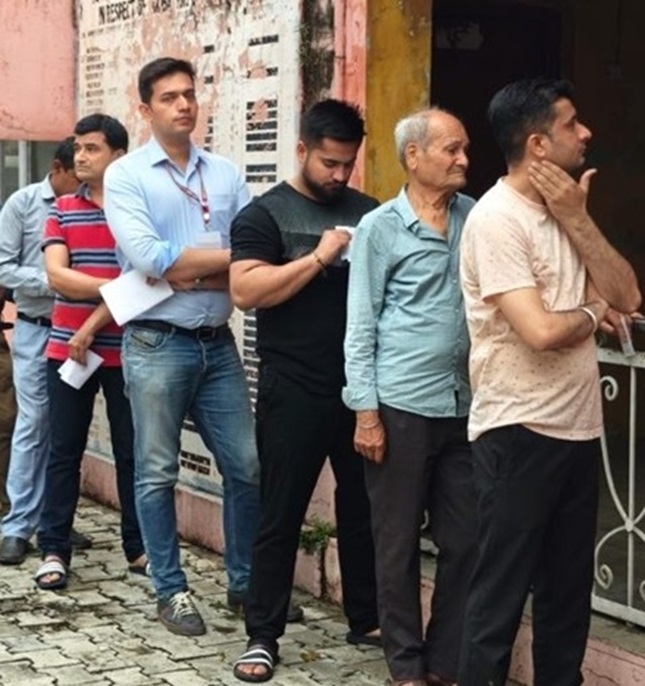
<point x="222" y="208"/>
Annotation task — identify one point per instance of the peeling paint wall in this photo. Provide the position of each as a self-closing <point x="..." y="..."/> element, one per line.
<point x="316" y="50"/>
<point x="246" y="54"/>
<point x="36" y="69"/>
<point x="350" y="64"/>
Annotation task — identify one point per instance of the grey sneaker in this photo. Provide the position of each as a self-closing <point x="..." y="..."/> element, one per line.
<point x="179" y="615"/>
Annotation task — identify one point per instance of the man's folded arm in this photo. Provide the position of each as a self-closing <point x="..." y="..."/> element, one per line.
<point x="71" y="283"/>
<point x="542" y="329"/>
<point x="255" y="283"/>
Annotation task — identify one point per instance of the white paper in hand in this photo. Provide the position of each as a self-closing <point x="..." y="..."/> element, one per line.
<point x="346" y="252"/>
<point x="129" y="295"/>
<point x="76" y="374"/>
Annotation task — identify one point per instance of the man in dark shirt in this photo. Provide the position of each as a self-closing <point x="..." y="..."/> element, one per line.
<point x="287" y="249"/>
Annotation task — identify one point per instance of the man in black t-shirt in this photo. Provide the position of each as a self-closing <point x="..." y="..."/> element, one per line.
<point x="288" y="248"/>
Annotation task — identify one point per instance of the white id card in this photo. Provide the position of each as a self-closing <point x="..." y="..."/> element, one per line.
<point x="209" y="239"/>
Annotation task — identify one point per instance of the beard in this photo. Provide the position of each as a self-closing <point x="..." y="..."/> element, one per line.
<point x="326" y="193"/>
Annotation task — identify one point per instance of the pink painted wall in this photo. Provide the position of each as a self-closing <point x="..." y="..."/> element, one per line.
<point x="350" y="65"/>
<point x="37" y="67"/>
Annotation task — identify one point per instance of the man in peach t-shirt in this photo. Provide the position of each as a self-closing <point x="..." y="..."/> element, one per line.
<point x="538" y="278"/>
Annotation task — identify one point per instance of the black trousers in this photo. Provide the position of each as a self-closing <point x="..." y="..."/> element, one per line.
<point x="296" y="431"/>
<point x="428" y="460"/>
<point x="537" y="502"/>
<point x="70" y="412"/>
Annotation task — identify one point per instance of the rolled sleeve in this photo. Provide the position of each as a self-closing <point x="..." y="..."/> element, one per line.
<point x="364" y="303"/>
<point x="31" y="279"/>
<point x="129" y="220"/>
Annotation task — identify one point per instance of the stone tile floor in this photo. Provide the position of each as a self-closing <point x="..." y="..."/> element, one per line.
<point x="102" y="630"/>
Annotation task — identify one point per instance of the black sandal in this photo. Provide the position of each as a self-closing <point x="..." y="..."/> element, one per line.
<point x="256" y="655"/>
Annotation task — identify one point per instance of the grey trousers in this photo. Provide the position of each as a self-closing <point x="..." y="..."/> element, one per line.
<point x="428" y="463"/>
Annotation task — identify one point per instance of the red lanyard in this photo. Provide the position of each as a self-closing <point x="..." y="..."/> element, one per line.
<point x="201" y="201"/>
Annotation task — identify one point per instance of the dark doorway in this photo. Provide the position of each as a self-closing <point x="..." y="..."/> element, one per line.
<point x="480" y="45"/>
<point x="477" y="48"/>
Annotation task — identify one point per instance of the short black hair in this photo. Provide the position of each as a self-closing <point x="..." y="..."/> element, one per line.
<point x="115" y="133"/>
<point x="523" y="108"/>
<point x="157" y="69"/>
<point x="335" y="119"/>
<point x="64" y="153"/>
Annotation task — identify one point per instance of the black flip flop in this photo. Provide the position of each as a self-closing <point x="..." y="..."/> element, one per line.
<point x="141" y="570"/>
<point x="256" y="655"/>
<point x="49" y="567"/>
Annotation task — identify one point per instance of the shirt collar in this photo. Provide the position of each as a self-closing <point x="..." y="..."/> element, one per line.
<point x="407" y="213"/>
<point x="46" y="189"/>
<point x="404" y="208"/>
<point x="158" y="155"/>
<point x="83" y="192"/>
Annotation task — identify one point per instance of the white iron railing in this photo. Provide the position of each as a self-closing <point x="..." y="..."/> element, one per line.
<point x="617" y="574"/>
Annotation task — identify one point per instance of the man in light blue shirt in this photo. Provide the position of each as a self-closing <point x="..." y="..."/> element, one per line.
<point x="169" y="206"/>
<point x="406" y="352"/>
<point x="22" y="269"/>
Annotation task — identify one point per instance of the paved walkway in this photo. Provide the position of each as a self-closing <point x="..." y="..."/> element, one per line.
<point x="102" y="630"/>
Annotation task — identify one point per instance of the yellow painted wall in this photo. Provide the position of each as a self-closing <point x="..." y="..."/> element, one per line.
<point x="398" y="82"/>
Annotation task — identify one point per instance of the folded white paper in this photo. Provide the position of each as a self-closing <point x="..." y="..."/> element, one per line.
<point x="76" y="374"/>
<point x="129" y="295"/>
<point x="346" y="252"/>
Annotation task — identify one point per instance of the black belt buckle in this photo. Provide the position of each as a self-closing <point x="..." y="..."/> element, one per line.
<point x="207" y="333"/>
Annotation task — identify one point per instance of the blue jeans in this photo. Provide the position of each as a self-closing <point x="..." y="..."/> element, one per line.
<point x="71" y="412"/>
<point x="30" y="442"/>
<point x="168" y="376"/>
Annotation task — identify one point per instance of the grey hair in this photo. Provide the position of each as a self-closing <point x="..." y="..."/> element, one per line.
<point x="413" y="129"/>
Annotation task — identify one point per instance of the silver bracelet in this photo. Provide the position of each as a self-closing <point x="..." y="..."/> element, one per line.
<point x="590" y="313"/>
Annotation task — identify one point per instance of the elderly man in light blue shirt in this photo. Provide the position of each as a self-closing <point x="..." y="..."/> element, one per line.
<point x="170" y="206"/>
<point x="22" y="269"/>
<point x="406" y="355"/>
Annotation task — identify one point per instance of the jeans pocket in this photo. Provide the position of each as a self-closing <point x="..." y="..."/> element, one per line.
<point x="144" y="340"/>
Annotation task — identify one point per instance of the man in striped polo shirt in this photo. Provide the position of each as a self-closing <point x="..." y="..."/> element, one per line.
<point x="79" y="258"/>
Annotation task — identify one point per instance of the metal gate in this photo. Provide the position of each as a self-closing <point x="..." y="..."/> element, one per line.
<point x="619" y="561"/>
